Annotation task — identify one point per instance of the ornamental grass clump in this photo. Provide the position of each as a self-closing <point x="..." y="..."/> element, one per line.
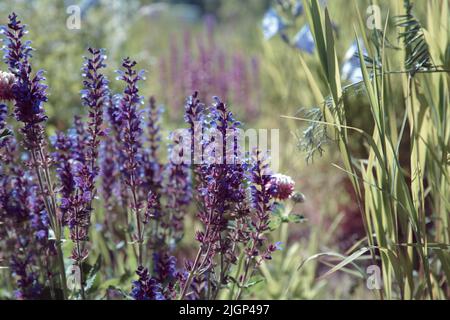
<point x="401" y="182"/>
<point x="100" y="201"/>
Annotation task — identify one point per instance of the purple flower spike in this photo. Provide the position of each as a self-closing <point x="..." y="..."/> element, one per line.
<point x="95" y="97"/>
<point x="131" y="137"/>
<point x="151" y="167"/>
<point x="28" y="92"/>
<point x="131" y="130"/>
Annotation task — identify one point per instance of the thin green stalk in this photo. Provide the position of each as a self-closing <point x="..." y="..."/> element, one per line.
<point x="420" y="214"/>
<point x="139" y="236"/>
<point x="62" y="269"/>
<point x="191" y="275"/>
<point x="51" y="209"/>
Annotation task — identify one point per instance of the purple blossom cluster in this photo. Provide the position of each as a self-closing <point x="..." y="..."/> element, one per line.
<point x="76" y="158"/>
<point x="109" y="171"/>
<point x="28" y="91"/>
<point x="146" y="287"/>
<point x="24" y="227"/>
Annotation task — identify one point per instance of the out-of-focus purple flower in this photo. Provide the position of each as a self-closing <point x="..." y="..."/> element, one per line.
<point x="304" y="40"/>
<point x="240" y="81"/>
<point x="351" y="69"/>
<point x="153" y="127"/>
<point x="108" y="172"/>
<point x="178" y="188"/>
<point x="272" y="24"/>
<point x="278" y="245"/>
<point x="146" y="287"/>
<point x="164" y="266"/>
<point x="17" y="205"/>
<point x="23" y="215"/>
<point x="39" y="222"/>
<point x="116" y="154"/>
<point x="151" y="174"/>
<point x="207" y="65"/>
<point x="78" y="139"/>
<point x="114" y="115"/>
<point x="28" y="285"/>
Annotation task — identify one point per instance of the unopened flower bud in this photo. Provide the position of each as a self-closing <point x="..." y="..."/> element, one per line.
<point x="298" y="197"/>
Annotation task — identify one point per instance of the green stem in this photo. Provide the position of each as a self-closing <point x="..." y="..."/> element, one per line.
<point x="191" y="275"/>
<point x="62" y="269"/>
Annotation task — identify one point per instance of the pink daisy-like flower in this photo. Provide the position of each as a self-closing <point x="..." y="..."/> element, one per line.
<point x="6" y="82"/>
<point x="283" y="186"/>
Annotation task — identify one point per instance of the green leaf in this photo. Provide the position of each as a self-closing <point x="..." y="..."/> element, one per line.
<point x="254" y="282"/>
<point x="93" y="273"/>
<point x="346" y="261"/>
<point x="5" y="133"/>
<point x="275" y="223"/>
<point x="296" y="218"/>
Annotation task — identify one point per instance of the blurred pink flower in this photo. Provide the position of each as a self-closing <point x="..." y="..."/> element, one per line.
<point x="6" y="82"/>
<point x="283" y="185"/>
